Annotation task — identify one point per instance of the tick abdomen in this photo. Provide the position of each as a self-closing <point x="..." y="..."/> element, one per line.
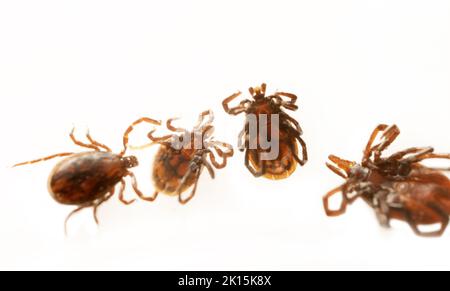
<point x="85" y="177"/>
<point x="283" y="166"/>
<point x="420" y="194"/>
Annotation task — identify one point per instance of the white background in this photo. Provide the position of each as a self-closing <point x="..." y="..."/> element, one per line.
<point x="102" y="64"/>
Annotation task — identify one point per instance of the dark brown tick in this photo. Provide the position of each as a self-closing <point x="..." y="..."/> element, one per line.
<point x="182" y="157"/>
<point x="88" y="179"/>
<point x="285" y="136"/>
<point x="396" y="187"/>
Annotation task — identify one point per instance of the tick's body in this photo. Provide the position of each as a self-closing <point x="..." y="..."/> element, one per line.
<point x="169" y="169"/>
<point x="396" y="187"/>
<point x="287" y="135"/>
<point x="423" y="197"/>
<point x="285" y="163"/>
<point x="86" y="177"/>
<point x="178" y="165"/>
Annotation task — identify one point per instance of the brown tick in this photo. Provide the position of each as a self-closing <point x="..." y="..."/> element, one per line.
<point x="261" y="113"/>
<point x="396" y="187"/>
<point x="183" y="155"/>
<point x="88" y="179"/>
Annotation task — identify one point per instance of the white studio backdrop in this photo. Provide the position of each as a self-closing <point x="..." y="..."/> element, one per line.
<point x="102" y="64"/>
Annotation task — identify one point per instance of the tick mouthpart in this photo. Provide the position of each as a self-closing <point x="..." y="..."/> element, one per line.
<point x="130" y="162"/>
<point x="341" y="163"/>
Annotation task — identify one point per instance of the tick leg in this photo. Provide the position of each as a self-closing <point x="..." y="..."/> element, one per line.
<point x="304" y="151"/>
<point x="294" y="122"/>
<point x="215" y="163"/>
<point x="434" y="156"/>
<point x="243" y="138"/>
<point x="170" y="126"/>
<point x="100" y="202"/>
<point x="71" y="214"/>
<point x="202" y="117"/>
<point x="235" y="110"/>
<point x="81" y="144"/>
<point x="382" y="206"/>
<point x="43" y="159"/>
<point x="96" y="143"/>
<point x="208" y="166"/>
<point x="223" y="155"/>
<point x="134" y="184"/>
<point x="369" y="150"/>
<point x="290" y="104"/>
<point x="388" y="137"/>
<point x="292" y="98"/>
<point x="418" y="153"/>
<point x="434" y="209"/>
<point x="130" y="129"/>
<point x="194" y="190"/>
<point x="256" y="173"/>
<point x="158" y="139"/>
<point x="122" y="194"/>
<point x="296" y="157"/>
<point x="326" y="204"/>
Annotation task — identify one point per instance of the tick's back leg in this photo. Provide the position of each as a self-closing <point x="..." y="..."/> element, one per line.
<point x="434" y="156"/>
<point x="431" y="209"/>
<point x="304" y="151"/>
<point x="100" y="202"/>
<point x="71" y="214"/>
<point x="326" y="203"/>
<point x="122" y="194"/>
<point x="192" y="194"/>
<point x="138" y="192"/>
<point x="43" y="159"/>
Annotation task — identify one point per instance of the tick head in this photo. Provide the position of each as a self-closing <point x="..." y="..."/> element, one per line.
<point x="258" y="92"/>
<point x="130" y="162"/>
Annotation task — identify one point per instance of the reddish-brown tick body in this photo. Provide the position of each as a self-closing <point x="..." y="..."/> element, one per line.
<point x="86" y="177"/>
<point x="170" y="167"/>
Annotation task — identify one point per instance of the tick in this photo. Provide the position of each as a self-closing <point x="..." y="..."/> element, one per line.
<point x="270" y="136"/>
<point x="396" y="187"/>
<point x="88" y="179"/>
<point x="184" y="154"/>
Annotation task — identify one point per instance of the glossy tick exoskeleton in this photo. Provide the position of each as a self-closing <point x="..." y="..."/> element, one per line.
<point x="267" y="121"/>
<point x="396" y="187"/>
<point x="182" y="157"/>
<point x="88" y="179"/>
